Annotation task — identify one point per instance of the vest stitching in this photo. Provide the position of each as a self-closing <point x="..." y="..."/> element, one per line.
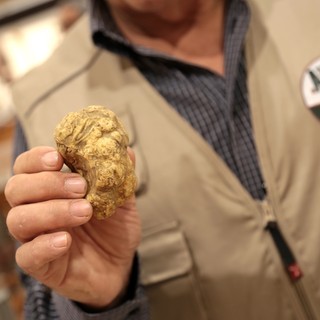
<point x="56" y="87"/>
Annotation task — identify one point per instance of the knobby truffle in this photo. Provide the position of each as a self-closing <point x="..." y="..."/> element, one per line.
<point x="94" y="143"/>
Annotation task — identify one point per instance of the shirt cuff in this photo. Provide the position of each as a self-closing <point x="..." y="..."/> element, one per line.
<point x="134" y="309"/>
<point x="134" y="305"/>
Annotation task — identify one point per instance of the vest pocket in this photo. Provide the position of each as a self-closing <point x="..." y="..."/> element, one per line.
<point x="164" y="254"/>
<point x="167" y="275"/>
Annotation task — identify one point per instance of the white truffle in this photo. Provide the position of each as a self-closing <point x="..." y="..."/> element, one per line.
<point x="94" y="143"/>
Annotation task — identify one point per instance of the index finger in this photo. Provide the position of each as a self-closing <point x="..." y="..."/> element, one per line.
<point x="38" y="159"/>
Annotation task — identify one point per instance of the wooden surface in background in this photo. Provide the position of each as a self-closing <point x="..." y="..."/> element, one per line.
<point x="6" y="150"/>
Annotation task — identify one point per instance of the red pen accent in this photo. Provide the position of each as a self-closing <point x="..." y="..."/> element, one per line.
<point x="289" y="262"/>
<point x="294" y="271"/>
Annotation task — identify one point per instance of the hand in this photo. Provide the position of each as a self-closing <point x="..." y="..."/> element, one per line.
<point x="83" y="259"/>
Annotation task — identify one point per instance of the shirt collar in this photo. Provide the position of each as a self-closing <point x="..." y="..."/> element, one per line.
<point x="104" y="30"/>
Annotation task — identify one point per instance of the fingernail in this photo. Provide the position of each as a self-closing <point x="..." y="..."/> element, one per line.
<point x="50" y="159"/>
<point x="80" y="208"/>
<point x="76" y="185"/>
<point x="59" y="241"/>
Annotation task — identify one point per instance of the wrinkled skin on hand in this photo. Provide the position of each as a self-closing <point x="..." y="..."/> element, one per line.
<point x="86" y="260"/>
<point x="94" y="143"/>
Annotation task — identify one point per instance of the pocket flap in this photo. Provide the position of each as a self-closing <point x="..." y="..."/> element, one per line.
<point x="164" y="255"/>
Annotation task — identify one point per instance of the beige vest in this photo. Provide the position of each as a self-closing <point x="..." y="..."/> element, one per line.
<point x="205" y="252"/>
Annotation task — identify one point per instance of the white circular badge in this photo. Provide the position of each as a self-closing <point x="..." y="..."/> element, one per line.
<point x="311" y="86"/>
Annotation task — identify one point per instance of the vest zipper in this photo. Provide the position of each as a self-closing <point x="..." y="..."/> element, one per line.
<point x="289" y="262"/>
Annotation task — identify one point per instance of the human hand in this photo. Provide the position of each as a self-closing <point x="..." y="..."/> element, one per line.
<point x="83" y="259"/>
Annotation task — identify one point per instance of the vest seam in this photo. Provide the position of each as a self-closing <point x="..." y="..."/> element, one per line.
<point x="62" y="83"/>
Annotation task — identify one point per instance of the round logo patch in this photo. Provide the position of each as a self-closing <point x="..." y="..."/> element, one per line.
<point x="311" y="87"/>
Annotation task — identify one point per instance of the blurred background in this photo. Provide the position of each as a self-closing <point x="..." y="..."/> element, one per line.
<point x="30" y="30"/>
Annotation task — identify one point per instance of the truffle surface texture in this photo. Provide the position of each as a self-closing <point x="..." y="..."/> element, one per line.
<point x="93" y="142"/>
